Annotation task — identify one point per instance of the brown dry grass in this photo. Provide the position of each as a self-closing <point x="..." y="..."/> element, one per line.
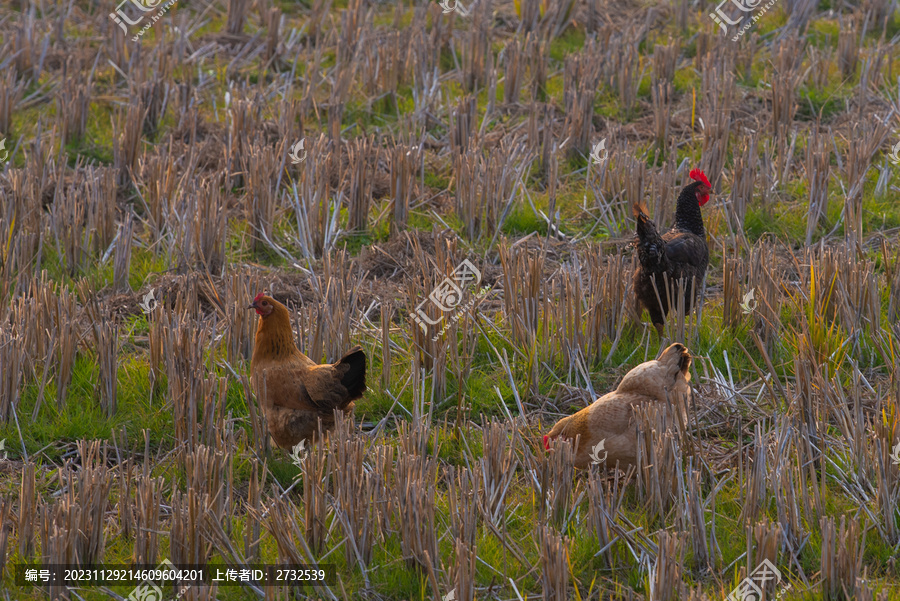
<point x="433" y="138"/>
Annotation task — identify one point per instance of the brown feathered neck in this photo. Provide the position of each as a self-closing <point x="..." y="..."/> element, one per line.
<point x="274" y="336"/>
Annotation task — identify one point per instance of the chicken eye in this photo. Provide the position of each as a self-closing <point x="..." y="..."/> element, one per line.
<point x="264" y="303"/>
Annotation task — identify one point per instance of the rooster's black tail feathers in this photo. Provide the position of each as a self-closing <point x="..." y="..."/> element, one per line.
<point x="650" y="246"/>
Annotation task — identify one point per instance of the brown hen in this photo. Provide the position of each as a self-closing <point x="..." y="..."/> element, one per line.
<point x="298" y="392"/>
<point x="611" y="418"/>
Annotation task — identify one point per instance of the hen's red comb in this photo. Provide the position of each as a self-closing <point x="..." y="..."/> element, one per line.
<point x="259" y="297"/>
<point x="546" y="444"/>
<point x="698" y="175"/>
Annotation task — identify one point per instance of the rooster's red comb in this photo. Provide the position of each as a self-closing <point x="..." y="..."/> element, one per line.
<point x="697" y="174"/>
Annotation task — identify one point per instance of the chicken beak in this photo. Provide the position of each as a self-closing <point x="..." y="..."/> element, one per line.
<point x="252" y="305"/>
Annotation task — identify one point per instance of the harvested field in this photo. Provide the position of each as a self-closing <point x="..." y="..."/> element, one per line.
<point x="449" y="186"/>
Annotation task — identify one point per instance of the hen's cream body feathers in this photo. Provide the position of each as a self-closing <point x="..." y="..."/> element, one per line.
<point x="611" y="418"/>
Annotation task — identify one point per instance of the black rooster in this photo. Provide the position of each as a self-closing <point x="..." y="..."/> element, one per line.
<point x="676" y="261"/>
